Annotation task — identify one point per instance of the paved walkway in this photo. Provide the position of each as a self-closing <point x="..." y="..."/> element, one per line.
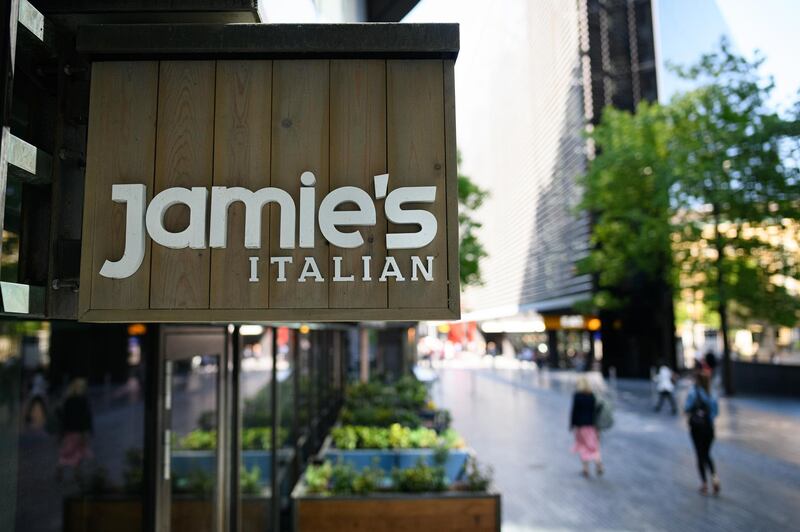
<point x="517" y="421"/>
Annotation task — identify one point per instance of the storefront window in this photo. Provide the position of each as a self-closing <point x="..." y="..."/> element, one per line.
<point x="9" y="267"/>
<point x="73" y="402"/>
<point x="255" y="469"/>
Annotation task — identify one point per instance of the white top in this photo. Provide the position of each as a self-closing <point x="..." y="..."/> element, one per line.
<point x="664" y="380"/>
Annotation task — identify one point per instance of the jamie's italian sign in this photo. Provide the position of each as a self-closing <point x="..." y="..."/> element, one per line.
<point x="254" y="190"/>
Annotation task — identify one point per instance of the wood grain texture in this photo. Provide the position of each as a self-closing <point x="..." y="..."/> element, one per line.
<point x="184" y="158"/>
<point x="436" y="514"/>
<point x="300" y="122"/>
<point x="241" y="159"/>
<point x="416" y="154"/>
<point x="121" y="150"/>
<point x="358" y="152"/>
<point x="255" y="123"/>
<point x="451" y="178"/>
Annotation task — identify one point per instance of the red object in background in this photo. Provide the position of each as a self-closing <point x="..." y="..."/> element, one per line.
<point x="283" y="336"/>
<point x="457" y="333"/>
<point x="472" y="329"/>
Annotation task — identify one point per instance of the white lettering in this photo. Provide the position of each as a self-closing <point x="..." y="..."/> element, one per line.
<point x="337" y="271"/>
<point x="310" y="269"/>
<point x="416" y="263"/>
<point x="391" y="269"/>
<point x="308" y="180"/>
<point x="366" y="259"/>
<point x="253" y="269"/>
<point x="142" y="219"/>
<point x="281" y="262"/>
<point x="221" y="199"/>
<point x="329" y="217"/>
<point x="425" y="219"/>
<point x="134" y="197"/>
<point x="194" y="236"/>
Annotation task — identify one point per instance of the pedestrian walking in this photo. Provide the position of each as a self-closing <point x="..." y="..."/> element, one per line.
<point x="582" y="423"/>
<point x="701" y="408"/>
<point x="665" y="385"/>
<point x="76" y="427"/>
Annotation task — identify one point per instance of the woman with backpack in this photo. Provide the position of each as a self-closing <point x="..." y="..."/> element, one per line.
<point x="582" y="423"/>
<point x="701" y="407"/>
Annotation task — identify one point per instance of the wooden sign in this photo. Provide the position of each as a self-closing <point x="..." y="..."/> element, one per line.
<point x="230" y="190"/>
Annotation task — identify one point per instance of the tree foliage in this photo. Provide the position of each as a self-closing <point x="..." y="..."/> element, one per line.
<point x="470" y="248"/>
<point x="626" y="192"/>
<point x="703" y="193"/>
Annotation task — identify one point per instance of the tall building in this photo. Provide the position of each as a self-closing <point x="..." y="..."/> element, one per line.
<point x="552" y="67"/>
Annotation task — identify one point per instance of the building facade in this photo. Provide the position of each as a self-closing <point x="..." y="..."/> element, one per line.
<point x="555" y="65"/>
<point x="133" y="426"/>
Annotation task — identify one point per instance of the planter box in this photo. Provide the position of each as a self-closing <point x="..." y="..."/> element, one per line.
<point x="122" y="513"/>
<point x="425" y="512"/>
<point x="387" y="459"/>
<point x="183" y="462"/>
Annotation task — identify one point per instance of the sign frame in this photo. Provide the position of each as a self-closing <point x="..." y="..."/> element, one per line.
<point x="167" y="51"/>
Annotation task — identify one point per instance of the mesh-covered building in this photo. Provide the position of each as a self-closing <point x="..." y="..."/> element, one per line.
<point x="560" y="69"/>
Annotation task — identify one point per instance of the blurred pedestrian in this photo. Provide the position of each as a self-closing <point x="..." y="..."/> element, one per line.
<point x="36" y="415"/>
<point x="665" y="385"/>
<point x="582" y="423"/>
<point x="76" y="427"/>
<point x="701" y="408"/>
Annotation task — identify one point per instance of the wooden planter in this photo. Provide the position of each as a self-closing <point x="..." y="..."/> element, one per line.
<point x="122" y="513"/>
<point x="396" y="512"/>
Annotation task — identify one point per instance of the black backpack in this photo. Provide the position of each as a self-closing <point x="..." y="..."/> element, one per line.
<point x="700" y="414"/>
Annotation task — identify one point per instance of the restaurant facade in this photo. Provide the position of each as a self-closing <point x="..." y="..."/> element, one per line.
<point x="199" y="217"/>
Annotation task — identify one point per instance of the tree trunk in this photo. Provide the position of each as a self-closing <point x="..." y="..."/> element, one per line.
<point x="722" y="309"/>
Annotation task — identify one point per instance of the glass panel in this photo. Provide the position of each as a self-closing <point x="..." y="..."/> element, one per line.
<point x="286" y="464"/>
<point x="255" y="383"/>
<point x="303" y="376"/>
<point x="191" y="417"/>
<point x="77" y="394"/>
<point x="9" y="267"/>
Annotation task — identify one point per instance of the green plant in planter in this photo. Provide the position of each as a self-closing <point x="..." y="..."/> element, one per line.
<point x="257" y="439"/>
<point x="372" y="438"/>
<point x="345" y="437"/>
<point x="350" y="437"/>
<point x="421" y="478"/>
<point x="451" y="439"/>
<point x="379" y="416"/>
<point x="318" y="477"/>
<point x="345" y="480"/>
<point x="477" y="478"/>
<point x="410" y="392"/>
<point x="199" y="440"/>
<point x="133" y="473"/>
<point x="198" y="482"/>
<point x="249" y="481"/>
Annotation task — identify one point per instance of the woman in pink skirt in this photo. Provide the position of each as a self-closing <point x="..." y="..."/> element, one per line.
<point x="587" y="442"/>
<point x="76" y="427"/>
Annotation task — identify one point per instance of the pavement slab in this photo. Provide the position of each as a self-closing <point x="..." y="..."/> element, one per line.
<point x="517" y="421"/>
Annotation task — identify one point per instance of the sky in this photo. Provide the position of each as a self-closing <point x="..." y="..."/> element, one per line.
<point x="685" y="30"/>
<point x="688" y="28"/>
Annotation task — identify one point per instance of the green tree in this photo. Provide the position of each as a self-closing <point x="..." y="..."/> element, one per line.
<point x="626" y="192"/>
<point x="737" y="162"/>
<point x="470" y="248"/>
<point x="703" y="191"/>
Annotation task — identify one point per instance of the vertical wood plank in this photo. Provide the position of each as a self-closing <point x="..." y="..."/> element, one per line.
<point x="451" y="172"/>
<point x="416" y="153"/>
<point x="184" y="158"/>
<point x="121" y="142"/>
<point x="241" y="159"/>
<point x="358" y="152"/>
<point x="300" y="122"/>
